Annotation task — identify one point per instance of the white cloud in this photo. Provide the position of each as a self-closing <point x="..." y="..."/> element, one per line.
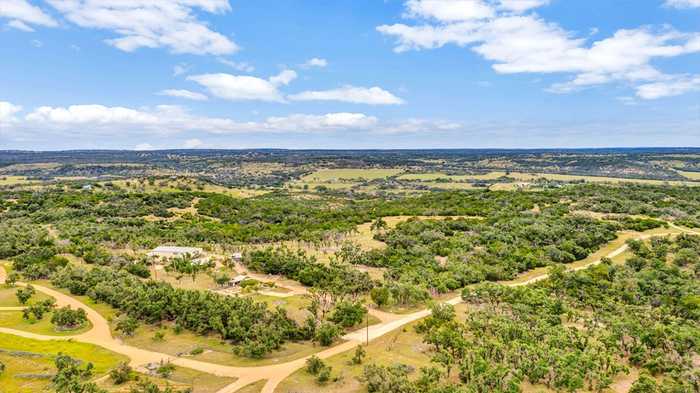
<point x="448" y="10"/>
<point x="674" y="86"/>
<point x="192" y="144"/>
<point x="525" y="43"/>
<point x="283" y="78"/>
<point x="190" y="95"/>
<point x="165" y="121"/>
<point x="243" y="87"/>
<point x="316" y="62"/>
<point x="683" y="3"/>
<point x="520" y="5"/>
<point x="238" y="66"/>
<point x="19" y="25"/>
<point x="23" y="14"/>
<point x="138" y="24"/>
<point x="144" y="147"/>
<point x="327" y="122"/>
<point x="356" y="95"/>
<point x="8" y="111"/>
<point x="90" y="114"/>
<point x="36" y="43"/>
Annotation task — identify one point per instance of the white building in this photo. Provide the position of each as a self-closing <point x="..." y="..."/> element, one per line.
<point x="172" y="252"/>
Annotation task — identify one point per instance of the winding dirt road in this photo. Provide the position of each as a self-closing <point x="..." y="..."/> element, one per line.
<point x="101" y="335"/>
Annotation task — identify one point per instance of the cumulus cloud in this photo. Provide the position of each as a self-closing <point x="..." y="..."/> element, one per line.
<point x="356" y="95"/>
<point x="181" y="93"/>
<point x="243" y="87"/>
<point x="671" y="87"/>
<point x="683" y="3"/>
<point x="22" y="14"/>
<point x="8" y="111"/>
<point x="167" y="121"/>
<point x="316" y="62"/>
<point x="516" y="41"/>
<point x="171" y="24"/>
<point x="283" y="78"/>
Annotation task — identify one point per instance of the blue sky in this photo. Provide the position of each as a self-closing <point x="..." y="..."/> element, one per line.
<point x="143" y="74"/>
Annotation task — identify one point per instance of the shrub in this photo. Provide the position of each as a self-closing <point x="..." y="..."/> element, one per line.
<point x="314" y="365"/>
<point x="348" y="314"/>
<point x="165" y="369"/>
<point x="359" y="355"/>
<point x="67" y="318"/>
<point x="120" y="374"/>
<point x="326" y="333"/>
<point x="127" y="325"/>
<point x="24" y="294"/>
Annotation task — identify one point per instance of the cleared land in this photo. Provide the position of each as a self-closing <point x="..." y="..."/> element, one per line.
<point x="29" y="362"/>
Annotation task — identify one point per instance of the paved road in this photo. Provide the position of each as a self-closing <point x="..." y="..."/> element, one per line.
<point x="101" y="335"/>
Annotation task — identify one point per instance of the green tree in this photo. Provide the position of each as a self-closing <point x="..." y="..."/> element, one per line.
<point x="24" y="294"/>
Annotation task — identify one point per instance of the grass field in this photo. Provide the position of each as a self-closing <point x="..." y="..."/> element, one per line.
<point x="215" y="350"/>
<point x="400" y="346"/>
<point x="9" y="299"/>
<point x="690" y="175"/>
<point x="14" y="320"/>
<point x="338" y="179"/>
<point x="255" y="387"/>
<point x="428" y="178"/>
<point x="334" y="175"/>
<point x="16" y="180"/>
<point x="38" y="360"/>
<point x="163" y="185"/>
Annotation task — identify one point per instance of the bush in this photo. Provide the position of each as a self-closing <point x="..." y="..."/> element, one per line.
<point x="197" y="351"/>
<point x="348" y="314"/>
<point x="165" y="369"/>
<point x="314" y="365"/>
<point x="121" y="374"/>
<point x="67" y="318"/>
<point x="380" y="296"/>
<point x="24" y="294"/>
<point x="139" y="269"/>
<point x="326" y="333"/>
<point x="38" y="309"/>
<point x="127" y="325"/>
<point x="359" y="355"/>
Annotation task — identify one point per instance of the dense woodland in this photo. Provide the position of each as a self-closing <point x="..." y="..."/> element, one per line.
<point x="573" y="331"/>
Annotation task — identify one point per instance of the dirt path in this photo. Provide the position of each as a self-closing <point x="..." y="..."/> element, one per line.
<point x="101" y="335"/>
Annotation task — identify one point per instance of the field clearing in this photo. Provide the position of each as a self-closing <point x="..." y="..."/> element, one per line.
<point x="14" y="320"/>
<point x="439" y="175"/>
<point x="136" y="185"/>
<point x="399" y="346"/>
<point x="16" y="181"/>
<point x="529" y="177"/>
<point x="41" y="361"/>
<point x="690" y="175"/>
<point x="334" y="175"/>
<point x="181" y="379"/>
<point x="9" y="299"/>
<point x="214" y="349"/>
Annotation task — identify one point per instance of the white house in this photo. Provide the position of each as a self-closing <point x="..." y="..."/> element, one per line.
<point x="172" y="252"/>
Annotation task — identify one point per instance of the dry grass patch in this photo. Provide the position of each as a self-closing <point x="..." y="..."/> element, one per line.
<point x="400" y="346"/>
